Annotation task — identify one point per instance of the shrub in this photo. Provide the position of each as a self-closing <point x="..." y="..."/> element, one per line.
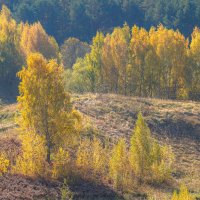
<point x="4" y="164"/>
<point x="119" y="166"/>
<point x="162" y="160"/>
<point x="91" y="158"/>
<point x="32" y="160"/>
<point x="183" y="194"/>
<point x="61" y="162"/>
<point x="66" y="193"/>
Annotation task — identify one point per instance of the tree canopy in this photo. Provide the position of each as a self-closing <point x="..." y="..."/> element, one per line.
<point x="82" y="18"/>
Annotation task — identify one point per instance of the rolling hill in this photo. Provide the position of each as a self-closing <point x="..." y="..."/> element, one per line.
<point x="176" y="123"/>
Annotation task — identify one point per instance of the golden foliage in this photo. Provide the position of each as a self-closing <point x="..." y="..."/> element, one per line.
<point x="32" y="160"/>
<point x="66" y="193"/>
<point x="149" y="160"/>
<point x="140" y="149"/>
<point x="91" y="158"/>
<point x="183" y="194"/>
<point x="45" y="109"/>
<point x="34" y="39"/>
<point x="4" y="164"/>
<point x="120" y="172"/>
<point x="61" y="164"/>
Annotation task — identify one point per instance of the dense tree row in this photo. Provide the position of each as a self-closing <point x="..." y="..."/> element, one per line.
<point x="82" y="18"/>
<point x="159" y="63"/>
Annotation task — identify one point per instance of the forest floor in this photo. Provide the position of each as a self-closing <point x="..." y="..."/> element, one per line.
<point x="171" y="122"/>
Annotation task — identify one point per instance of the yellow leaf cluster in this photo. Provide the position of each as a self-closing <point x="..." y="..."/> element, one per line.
<point x="91" y="158"/>
<point x="183" y="194"/>
<point x="61" y="164"/>
<point x="4" y="164"/>
<point x="119" y="168"/>
<point x="32" y="160"/>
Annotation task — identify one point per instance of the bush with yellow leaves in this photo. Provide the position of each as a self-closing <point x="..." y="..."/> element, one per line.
<point x="149" y="160"/>
<point x="4" y="164"/>
<point x="61" y="164"/>
<point x="183" y="194"/>
<point x="162" y="160"/>
<point x="91" y="158"/>
<point x="32" y="160"/>
<point x="119" y="169"/>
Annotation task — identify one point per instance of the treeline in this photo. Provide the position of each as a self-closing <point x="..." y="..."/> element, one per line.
<point x="82" y="18"/>
<point x="159" y="63"/>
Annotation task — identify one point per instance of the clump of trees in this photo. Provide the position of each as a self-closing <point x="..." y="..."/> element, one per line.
<point x="33" y="39"/>
<point x="82" y="18"/>
<point x="158" y="63"/>
<point x="10" y="57"/>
